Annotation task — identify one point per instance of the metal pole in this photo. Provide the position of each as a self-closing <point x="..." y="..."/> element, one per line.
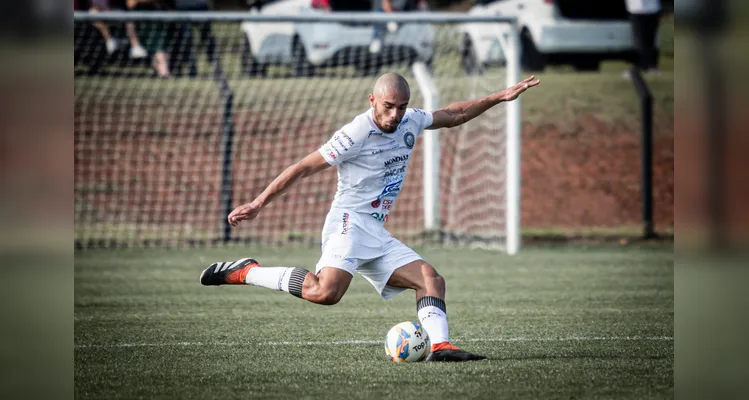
<point x="513" y="148"/>
<point x="226" y="194"/>
<point x="646" y="146"/>
<point x="431" y="150"/>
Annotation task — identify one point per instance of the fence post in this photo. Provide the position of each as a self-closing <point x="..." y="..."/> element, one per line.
<point x="226" y="194"/>
<point x="646" y="109"/>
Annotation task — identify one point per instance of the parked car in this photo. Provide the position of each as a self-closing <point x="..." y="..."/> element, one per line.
<point x="578" y="32"/>
<point x="307" y="46"/>
<point x="269" y="43"/>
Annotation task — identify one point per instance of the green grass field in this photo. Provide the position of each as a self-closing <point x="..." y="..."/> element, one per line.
<point x="555" y="322"/>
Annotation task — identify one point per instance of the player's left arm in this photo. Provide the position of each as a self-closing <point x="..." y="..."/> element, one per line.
<point x="461" y="112"/>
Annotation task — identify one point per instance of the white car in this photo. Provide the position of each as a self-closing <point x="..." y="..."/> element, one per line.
<point x="267" y="43"/>
<point x="578" y="32"/>
<point x="306" y="46"/>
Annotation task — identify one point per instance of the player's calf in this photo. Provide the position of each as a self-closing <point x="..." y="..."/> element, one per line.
<point x="326" y="288"/>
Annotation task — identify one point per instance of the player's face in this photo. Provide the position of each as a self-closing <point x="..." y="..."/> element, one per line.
<point x="389" y="109"/>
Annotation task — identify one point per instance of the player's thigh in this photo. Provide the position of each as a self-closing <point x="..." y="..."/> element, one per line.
<point x="412" y="275"/>
<point x="344" y="249"/>
<point x="379" y="272"/>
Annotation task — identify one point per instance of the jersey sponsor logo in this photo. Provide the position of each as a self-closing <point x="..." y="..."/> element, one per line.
<point x="395" y="171"/>
<point x="397" y="159"/>
<point x="387" y="204"/>
<point x="338" y="139"/>
<point x="409" y="139"/>
<point x="391" y="179"/>
<point x="344" y="226"/>
<point x="391" y="189"/>
<point x="379" y="217"/>
<point x="348" y="139"/>
<point x="329" y="149"/>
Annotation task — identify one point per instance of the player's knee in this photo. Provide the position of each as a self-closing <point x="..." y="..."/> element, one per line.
<point x="431" y="277"/>
<point x="429" y="273"/>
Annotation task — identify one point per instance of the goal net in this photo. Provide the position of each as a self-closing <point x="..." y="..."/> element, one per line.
<point x="167" y="144"/>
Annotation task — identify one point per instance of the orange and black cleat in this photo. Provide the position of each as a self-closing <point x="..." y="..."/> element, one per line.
<point x="446" y="352"/>
<point x="227" y="273"/>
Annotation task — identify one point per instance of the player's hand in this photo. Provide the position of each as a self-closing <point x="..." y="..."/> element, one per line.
<point x="512" y="93"/>
<point x="245" y="212"/>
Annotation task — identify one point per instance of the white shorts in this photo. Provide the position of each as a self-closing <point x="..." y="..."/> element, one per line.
<point x="359" y="243"/>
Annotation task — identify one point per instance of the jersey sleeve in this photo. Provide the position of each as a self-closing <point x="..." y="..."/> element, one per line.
<point x="344" y="145"/>
<point x="423" y="117"/>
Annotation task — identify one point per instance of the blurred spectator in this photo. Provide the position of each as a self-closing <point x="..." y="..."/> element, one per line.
<point x="136" y="50"/>
<point x="645" y="15"/>
<point x="204" y="29"/>
<point x="153" y="35"/>
<point x="390" y="6"/>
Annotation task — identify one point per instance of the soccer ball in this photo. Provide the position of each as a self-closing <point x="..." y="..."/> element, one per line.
<point x="406" y="342"/>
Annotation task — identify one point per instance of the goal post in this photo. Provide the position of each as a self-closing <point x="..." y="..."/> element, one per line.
<point x="159" y="161"/>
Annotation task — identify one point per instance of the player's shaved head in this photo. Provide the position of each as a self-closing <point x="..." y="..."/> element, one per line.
<point x="391" y="83"/>
<point x="389" y="98"/>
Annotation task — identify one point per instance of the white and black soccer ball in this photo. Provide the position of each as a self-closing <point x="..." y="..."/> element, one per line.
<point x="407" y="342"/>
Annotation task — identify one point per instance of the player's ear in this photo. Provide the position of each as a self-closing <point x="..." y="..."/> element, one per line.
<point x="371" y="100"/>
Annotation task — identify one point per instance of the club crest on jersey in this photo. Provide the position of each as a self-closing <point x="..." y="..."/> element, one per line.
<point x="409" y="139"/>
<point x="375" y="204"/>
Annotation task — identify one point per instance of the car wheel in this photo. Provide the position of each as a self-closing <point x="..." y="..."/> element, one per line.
<point x="250" y="67"/>
<point x="299" y="63"/>
<point x="469" y="60"/>
<point x="531" y="59"/>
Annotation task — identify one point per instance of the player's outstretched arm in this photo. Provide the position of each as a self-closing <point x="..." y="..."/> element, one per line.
<point x="310" y="165"/>
<point x="461" y="112"/>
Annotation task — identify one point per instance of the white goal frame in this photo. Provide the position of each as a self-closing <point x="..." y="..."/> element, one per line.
<point x="508" y="38"/>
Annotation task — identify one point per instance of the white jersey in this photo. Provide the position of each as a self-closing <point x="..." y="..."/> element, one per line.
<point x="371" y="164"/>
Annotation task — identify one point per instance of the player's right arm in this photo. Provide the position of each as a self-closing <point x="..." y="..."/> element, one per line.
<point x="308" y="166"/>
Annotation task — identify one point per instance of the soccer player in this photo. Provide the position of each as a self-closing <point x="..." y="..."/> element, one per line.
<point x="372" y="154"/>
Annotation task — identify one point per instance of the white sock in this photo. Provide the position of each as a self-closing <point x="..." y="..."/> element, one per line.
<point x="434" y="322"/>
<point x="274" y="278"/>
